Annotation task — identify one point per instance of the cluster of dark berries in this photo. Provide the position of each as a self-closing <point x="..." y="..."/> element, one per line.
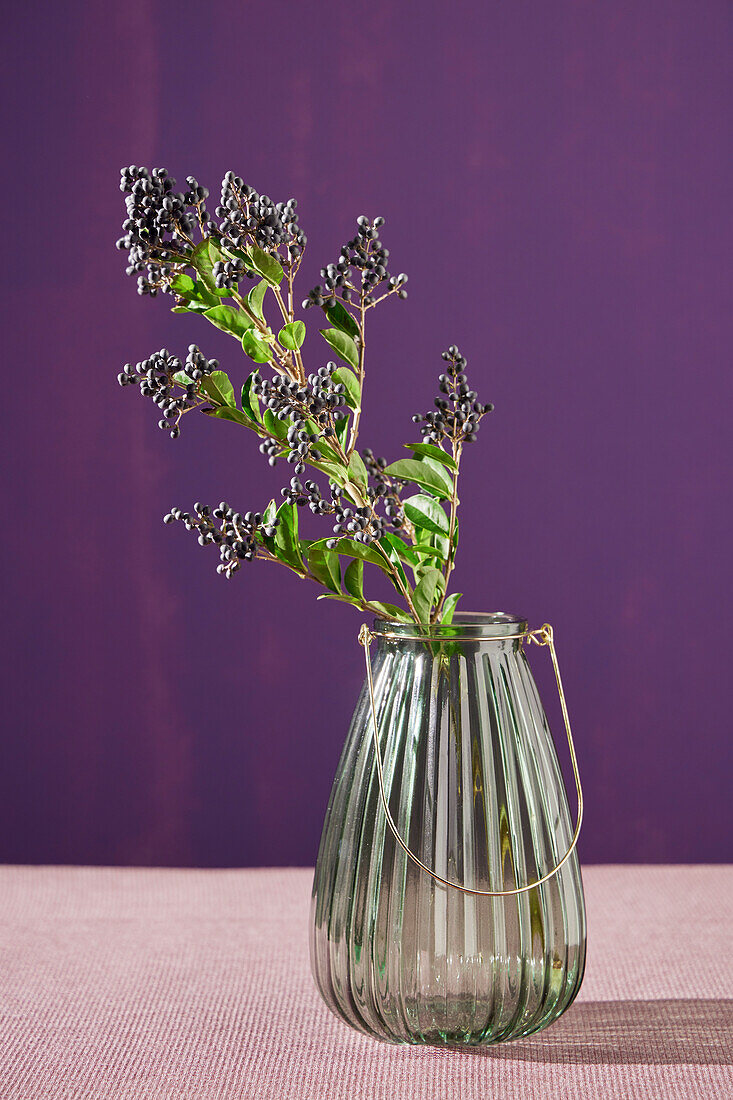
<point x="271" y="449"/>
<point x="197" y="196"/>
<point x="302" y="445"/>
<point x="458" y="413"/>
<point x="159" y="224"/>
<point x="384" y="489"/>
<point x="156" y="377"/>
<point x="361" y="524"/>
<point x="308" y="493"/>
<point x="197" y="365"/>
<point x="269" y="224"/>
<point x="235" y="534"/>
<point x="228" y="273"/>
<point x="327" y="398"/>
<point x="320" y="400"/>
<point x="364" y="253"/>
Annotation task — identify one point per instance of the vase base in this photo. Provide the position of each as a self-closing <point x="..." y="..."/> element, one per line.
<point x="458" y="1038"/>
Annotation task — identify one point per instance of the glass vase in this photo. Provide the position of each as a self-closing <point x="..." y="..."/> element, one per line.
<point x="474" y="789"/>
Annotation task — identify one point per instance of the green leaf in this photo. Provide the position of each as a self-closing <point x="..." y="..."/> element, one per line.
<point x="204" y="256"/>
<point x="198" y="296"/>
<point x="342" y="319"/>
<point x="204" y="297"/>
<point x="323" y="447"/>
<point x="436" y="540"/>
<point x="181" y="377"/>
<point x="441" y="544"/>
<point x="184" y="285"/>
<point x="278" y="428"/>
<point x="192" y="307"/>
<point x="389" y="611"/>
<point x="269" y="517"/>
<point x="229" y="320"/>
<point x="286" y="535"/>
<point x="440" y="472"/>
<point x="292" y="335"/>
<point x="390" y="543"/>
<point x="238" y="254"/>
<point x="354" y="579"/>
<point x="255" y="348"/>
<point x="396" y="544"/>
<point x="426" y="513"/>
<point x="335" y="472"/>
<point x="255" y="298"/>
<point x="226" y="413"/>
<point x="382" y="610"/>
<point x="218" y="387"/>
<point x="342" y="429"/>
<point x="324" y="565"/>
<point x="432" y="477"/>
<point x="357" y="470"/>
<point x="431" y="451"/>
<point x="341" y="599"/>
<point x="425" y="593"/>
<point x="410" y="554"/>
<point x="343" y="345"/>
<point x="267" y="266"/>
<point x="398" y="550"/>
<point x="351" y="549"/>
<point x="449" y="607"/>
<point x="250" y="404"/>
<point x="427" y="551"/>
<point x="349" y="380"/>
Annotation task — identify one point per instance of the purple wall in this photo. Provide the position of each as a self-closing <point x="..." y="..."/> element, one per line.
<point x="556" y="181"/>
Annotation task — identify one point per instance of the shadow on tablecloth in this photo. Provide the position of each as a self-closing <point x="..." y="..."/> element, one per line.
<point x="670" y="1032"/>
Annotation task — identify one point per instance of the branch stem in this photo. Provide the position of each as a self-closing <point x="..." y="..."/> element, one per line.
<point x="457" y="447"/>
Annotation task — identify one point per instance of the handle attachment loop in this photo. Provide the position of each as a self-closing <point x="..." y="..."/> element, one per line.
<point x="542" y="637"/>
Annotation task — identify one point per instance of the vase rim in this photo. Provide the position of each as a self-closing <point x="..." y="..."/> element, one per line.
<point x="466" y="624"/>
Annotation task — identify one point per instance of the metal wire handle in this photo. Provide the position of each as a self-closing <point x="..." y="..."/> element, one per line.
<point x="542" y="637"/>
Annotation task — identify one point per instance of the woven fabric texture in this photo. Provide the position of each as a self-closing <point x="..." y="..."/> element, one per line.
<point x="156" y="984"/>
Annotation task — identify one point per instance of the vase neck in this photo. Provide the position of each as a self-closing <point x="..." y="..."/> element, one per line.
<point x="466" y="626"/>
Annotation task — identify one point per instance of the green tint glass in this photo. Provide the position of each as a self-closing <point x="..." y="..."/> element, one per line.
<point x="474" y="787"/>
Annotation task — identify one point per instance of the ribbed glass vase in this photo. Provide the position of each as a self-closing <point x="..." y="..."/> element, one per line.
<point x="474" y="788"/>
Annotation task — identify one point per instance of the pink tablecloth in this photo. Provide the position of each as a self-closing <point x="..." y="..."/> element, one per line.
<point x="150" y="984"/>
